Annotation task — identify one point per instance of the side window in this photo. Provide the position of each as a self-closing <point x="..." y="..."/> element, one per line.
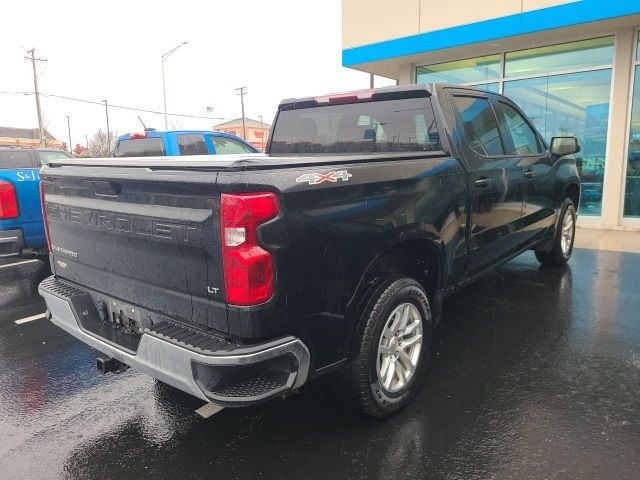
<point x="46" y="157"/>
<point x="480" y="126"/>
<point x="229" y="146"/>
<point x="192" y="144"/>
<point x="16" y="159"/>
<point x="524" y="138"/>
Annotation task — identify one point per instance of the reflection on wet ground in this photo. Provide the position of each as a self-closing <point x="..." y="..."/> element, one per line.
<point x="534" y="374"/>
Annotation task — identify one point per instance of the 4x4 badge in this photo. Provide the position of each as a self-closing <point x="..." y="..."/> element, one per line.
<point x="316" y="178"/>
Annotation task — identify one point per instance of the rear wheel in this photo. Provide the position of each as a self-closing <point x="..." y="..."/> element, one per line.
<point x="563" y="240"/>
<point x="391" y="349"/>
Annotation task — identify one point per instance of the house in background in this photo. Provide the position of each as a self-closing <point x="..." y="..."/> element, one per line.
<point x="26" y="137"/>
<point x="257" y="132"/>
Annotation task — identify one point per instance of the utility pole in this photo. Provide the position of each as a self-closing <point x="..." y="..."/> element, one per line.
<point x="371" y="82"/>
<point x="106" y="111"/>
<point x="32" y="58"/>
<point x="242" y="94"/>
<point x="69" y="130"/>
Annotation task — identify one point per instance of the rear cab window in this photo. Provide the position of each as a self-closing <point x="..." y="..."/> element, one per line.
<point x="402" y="125"/>
<point x="140" y="147"/>
<point x="16" y="159"/>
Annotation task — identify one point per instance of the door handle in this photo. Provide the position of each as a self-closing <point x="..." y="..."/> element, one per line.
<point x="482" y="182"/>
<point x="529" y="174"/>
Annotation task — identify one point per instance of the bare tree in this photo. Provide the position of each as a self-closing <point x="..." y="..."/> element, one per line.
<point x="175" y="124"/>
<point x="98" y="146"/>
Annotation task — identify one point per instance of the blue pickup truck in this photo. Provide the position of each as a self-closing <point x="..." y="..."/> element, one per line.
<point x="21" y="226"/>
<point x="154" y="143"/>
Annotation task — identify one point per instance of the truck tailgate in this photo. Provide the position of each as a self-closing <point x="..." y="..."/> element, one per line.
<point x="149" y="238"/>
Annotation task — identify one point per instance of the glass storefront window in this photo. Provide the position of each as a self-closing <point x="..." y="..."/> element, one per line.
<point x="567" y="105"/>
<point x="557" y="98"/>
<point x="596" y="52"/>
<point x="632" y="187"/>
<point x="471" y="70"/>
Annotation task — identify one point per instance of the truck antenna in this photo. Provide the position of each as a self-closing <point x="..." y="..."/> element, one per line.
<point x="143" y="125"/>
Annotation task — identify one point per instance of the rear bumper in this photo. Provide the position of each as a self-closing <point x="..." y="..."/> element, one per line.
<point x="11" y="243"/>
<point x="210" y="368"/>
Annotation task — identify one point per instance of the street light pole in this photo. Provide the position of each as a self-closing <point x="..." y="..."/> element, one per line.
<point x="106" y="111"/>
<point x="69" y="130"/>
<point x="164" y="89"/>
<point x="242" y="94"/>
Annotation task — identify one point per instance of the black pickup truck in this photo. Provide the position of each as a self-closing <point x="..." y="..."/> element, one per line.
<point x="240" y="278"/>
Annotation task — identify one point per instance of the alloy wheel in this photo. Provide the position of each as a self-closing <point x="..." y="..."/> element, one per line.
<point x="399" y="348"/>
<point x="566" y="239"/>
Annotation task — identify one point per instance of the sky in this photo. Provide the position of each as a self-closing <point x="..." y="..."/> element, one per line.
<point x="112" y="50"/>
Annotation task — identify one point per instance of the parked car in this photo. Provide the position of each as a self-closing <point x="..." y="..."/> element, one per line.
<point x="240" y="279"/>
<point x="21" y="226"/>
<point x="154" y="143"/>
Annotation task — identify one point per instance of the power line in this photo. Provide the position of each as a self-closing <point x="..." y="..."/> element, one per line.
<point x="122" y="107"/>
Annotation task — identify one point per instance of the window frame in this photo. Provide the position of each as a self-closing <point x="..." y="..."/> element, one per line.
<point x="635" y="69"/>
<point x="476" y="82"/>
<point x="502" y="78"/>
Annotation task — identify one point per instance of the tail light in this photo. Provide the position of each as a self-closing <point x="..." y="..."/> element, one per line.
<point x="248" y="268"/>
<point x="8" y="201"/>
<point x="138" y="135"/>
<point x="346" y="97"/>
<point x="44" y="215"/>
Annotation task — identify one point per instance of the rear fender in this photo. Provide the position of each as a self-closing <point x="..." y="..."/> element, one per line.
<point x="397" y="258"/>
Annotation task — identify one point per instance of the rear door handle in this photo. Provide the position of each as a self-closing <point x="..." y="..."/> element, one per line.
<point x="529" y="174"/>
<point x="482" y="182"/>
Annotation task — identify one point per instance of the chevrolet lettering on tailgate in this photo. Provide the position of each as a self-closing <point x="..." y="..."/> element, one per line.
<point x="119" y="222"/>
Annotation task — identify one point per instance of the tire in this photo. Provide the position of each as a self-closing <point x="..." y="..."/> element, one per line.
<point x="395" y="299"/>
<point x="565" y="235"/>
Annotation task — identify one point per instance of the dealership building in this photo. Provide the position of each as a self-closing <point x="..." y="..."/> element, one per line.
<point x="572" y="66"/>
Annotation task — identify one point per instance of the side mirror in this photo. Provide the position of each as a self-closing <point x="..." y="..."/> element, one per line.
<point x="561" y="146"/>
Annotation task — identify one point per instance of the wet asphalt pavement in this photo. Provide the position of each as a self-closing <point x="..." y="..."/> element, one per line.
<point x="534" y="374"/>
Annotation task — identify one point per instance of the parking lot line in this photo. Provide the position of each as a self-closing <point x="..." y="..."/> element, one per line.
<point x="19" y="263"/>
<point x="208" y="409"/>
<point x="30" y="319"/>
